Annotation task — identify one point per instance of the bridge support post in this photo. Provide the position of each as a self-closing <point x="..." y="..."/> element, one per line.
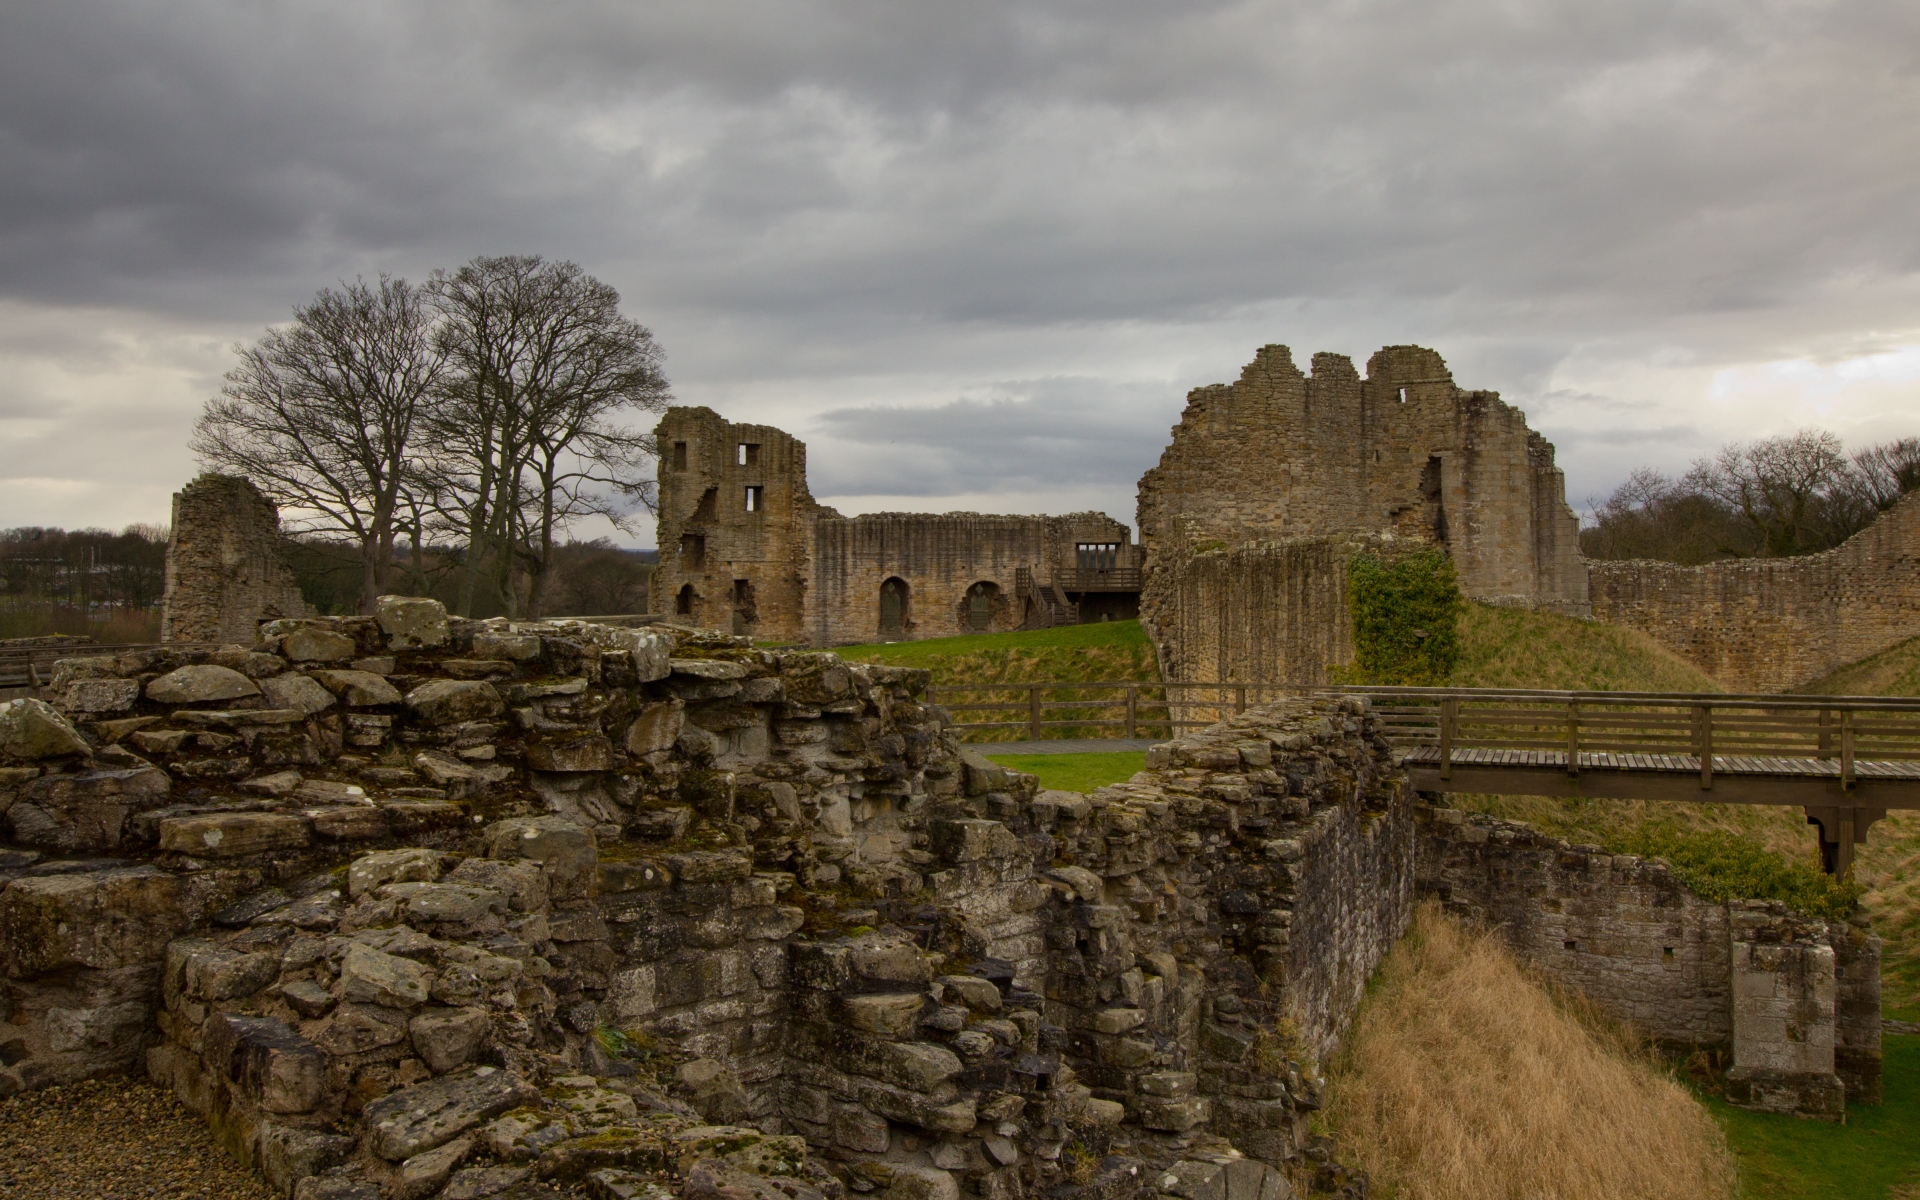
<point x="1841" y="829"/>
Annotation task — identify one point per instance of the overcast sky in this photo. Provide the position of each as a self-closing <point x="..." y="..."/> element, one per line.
<point x="975" y="254"/>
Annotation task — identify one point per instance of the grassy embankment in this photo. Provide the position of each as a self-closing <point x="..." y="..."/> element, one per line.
<point x="1467" y="1077"/>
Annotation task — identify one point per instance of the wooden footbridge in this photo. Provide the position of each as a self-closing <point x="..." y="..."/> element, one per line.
<point x="1845" y="759"/>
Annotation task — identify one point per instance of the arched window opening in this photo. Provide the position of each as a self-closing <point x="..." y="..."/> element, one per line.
<point x="684" y="602"/>
<point x="979" y="607"/>
<point x="893" y="608"/>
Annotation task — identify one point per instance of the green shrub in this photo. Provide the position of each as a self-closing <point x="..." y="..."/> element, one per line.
<point x="1406" y="618"/>
<point x="1723" y="866"/>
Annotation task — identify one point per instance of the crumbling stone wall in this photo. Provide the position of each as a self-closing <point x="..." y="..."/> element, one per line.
<point x="1769" y="625"/>
<point x="225" y="572"/>
<point x="1795" y="1000"/>
<point x="431" y="904"/>
<point x="1280" y="455"/>
<point x="791" y="569"/>
<point x="1265" y="612"/>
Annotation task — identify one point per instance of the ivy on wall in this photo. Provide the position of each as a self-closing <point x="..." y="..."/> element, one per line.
<point x="1406" y="616"/>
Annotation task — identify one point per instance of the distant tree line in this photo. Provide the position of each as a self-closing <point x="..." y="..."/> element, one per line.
<point x="1773" y="498"/>
<point x="83" y="581"/>
<point x="591" y="578"/>
<point x="449" y="435"/>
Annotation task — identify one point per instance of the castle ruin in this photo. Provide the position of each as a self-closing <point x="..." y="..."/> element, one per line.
<point x="225" y="571"/>
<point x="744" y="547"/>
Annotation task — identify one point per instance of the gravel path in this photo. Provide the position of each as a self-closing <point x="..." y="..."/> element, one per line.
<point x="114" y="1139"/>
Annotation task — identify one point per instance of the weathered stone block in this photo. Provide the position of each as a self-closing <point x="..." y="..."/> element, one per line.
<point x="588" y="753"/>
<point x="368" y="976"/>
<point x="201" y="684"/>
<point x="890" y="1015"/>
<point x="445" y="1038"/>
<point x="569" y="853"/>
<point x="312" y="644"/>
<point x="98" y="919"/>
<point x="218" y="973"/>
<point x="449" y="701"/>
<point x="233" y="835"/>
<point x="296" y="691"/>
<point x="276" y="1067"/>
<point x="410" y="865"/>
<point x="94" y="696"/>
<point x="88" y="810"/>
<point x="31" y="730"/>
<point x="411" y="622"/>
<point x="420" y="1118"/>
<point x="358" y="689"/>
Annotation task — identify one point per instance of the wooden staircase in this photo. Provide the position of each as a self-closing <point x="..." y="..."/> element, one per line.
<point x="1044" y="605"/>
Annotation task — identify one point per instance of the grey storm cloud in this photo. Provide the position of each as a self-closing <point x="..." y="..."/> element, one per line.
<point x="850" y="217"/>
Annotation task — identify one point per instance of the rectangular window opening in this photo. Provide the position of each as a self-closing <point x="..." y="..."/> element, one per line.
<point x="679" y="456"/>
<point x="756" y="497"/>
<point x="1098" y="556"/>
<point x="693" y="551"/>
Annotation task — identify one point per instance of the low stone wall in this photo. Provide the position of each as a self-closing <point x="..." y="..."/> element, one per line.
<point x="1795" y="1000"/>
<point x="1770" y="625"/>
<point x="439" y="907"/>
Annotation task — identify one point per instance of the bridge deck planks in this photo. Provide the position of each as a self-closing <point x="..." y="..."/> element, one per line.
<point x="1677" y="764"/>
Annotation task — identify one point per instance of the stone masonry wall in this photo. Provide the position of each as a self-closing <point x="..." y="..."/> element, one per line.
<point x="1797" y="1001"/>
<point x="790" y="569"/>
<point x="938" y="558"/>
<point x="225" y="572"/>
<point x="1769" y="625"/>
<point x="1267" y="612"/>
<point x="448" y="908"/>
<point x="1281" y="455"/>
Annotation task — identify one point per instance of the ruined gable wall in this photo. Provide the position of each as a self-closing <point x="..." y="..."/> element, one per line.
<point x="1767" y="625"/>
<point x="225" y="572"/>
<point x="1280" y="455"/>
<point x="707" y="500"/>
<point x="939" y="558"/>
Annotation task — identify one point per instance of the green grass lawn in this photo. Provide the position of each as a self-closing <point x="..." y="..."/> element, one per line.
<point x="939" y="650"/>
<point x="1874" y="1156"/>
<point x="1077" y="772"/>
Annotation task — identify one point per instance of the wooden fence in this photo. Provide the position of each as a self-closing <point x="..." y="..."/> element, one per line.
<point x="1133" y="708"/>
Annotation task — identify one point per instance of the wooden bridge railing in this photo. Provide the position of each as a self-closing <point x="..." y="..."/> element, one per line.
<point x="1129" y="706"/>
<point x="1713" y="728"/>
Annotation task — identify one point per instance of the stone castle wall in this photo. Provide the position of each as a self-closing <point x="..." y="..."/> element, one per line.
<point x="413" y="902"/>
<point x="1280" y="455"/>
<point x="225" y="571"/>
<point x="939" y="558"/>
<point x="1796" y="1000"/>
<point x="790" y="569"/>
<point x="1769" y="625"/>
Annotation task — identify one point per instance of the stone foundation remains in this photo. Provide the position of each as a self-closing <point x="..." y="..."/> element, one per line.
<point x="451" y="907"/>
<point x="225" y="571"/>
<point x="1772" y="624"/>
<point x="1795" y="1000"/>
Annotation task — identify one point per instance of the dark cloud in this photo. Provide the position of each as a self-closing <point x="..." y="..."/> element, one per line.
<point x="849" y="216"/>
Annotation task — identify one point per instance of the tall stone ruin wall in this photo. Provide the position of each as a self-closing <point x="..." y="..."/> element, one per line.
<point x="432" y="904"/>
<point x="1280" y="455"/>
<point x="1266" y="612"/>
<point x="1770" y="625"/>
<point x="225" y="571"/>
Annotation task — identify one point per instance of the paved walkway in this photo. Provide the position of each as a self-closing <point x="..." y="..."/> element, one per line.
<point x="1063" y="746"/>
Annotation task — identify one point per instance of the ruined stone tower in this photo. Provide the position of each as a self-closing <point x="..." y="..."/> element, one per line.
<point x="734" y="515"/>
<point x="1280" y="455"/>
<point x="225" y="571"/>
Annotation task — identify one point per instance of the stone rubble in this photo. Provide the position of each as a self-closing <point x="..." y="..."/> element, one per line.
<point x="412" y="906"/>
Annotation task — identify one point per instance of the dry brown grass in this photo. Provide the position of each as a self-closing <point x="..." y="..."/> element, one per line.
<point x="1465" y="1078"/>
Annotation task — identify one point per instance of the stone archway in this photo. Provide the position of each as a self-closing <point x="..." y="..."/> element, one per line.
<point x="896" y="603"/>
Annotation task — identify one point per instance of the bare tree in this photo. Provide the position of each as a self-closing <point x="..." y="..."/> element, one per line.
<point x="1888" y="471"/>
<point x="1790" y="492"/>
<point x="529" y="439"/>
<point x="323" y="413"/>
